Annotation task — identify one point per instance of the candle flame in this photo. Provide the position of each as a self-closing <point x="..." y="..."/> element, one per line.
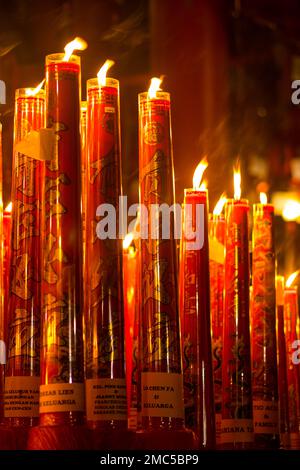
<point x="237" y="182"/>
<point x="154" y="87"/>
<point x="101" y="75"/>
<point x="78" y="44"/>
<point x="263" y="198"/>
<point x="198" y="173"/>
<point x="127" y="241"/>
<point x="291" y="210"/>
<point x="8" y="208"/>
<point x="220" y="204"/>
<point x="291" y="279"/>
<point x="30" y="92"/>
<point x="203" y="185"/>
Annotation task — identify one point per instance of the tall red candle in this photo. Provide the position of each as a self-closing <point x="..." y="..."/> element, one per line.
<point x="62" y="348"/>
<point x="216" y="267"/>
<point x="195" y="320"/>
<point x="134" y="417"/>
<point x="130" y="285"/>
<point x="282" y="367"/>
<point x="23" y="366"/>
<point x="161" y="371"/>
<point x="3" y="318"/>
<point x="291" y="327"/>
<point x="105" y="355"/>
<point x="237" y="421"/>
<point x="263" y="329"/>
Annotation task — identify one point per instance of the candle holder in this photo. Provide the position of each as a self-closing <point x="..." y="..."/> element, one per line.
<point x="237" y="420"/>
<point x="195" y="324"/>
<point x="21" y="402"/>
<point x="62" y="388"/>
<point x="162" y="413"/>
<point x="263" y="330"/>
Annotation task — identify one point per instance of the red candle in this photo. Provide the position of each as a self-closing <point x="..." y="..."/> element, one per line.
<point x="105" y="361"/>
<point x="282" y="367"/>
<point x="263" y="328"/>
<point x="23" y="366"/>
<point x="237" y="422"/>
<point x="216" y="268"/>
<point x="3" y="318"/>
<point x="130" y="285"/>
<point x="161" y="372"/>
<point x="134" y="418"/>
<point x="195" y="319"/>
<point x="291" y="327"/>
<point x="6" y="262"/>
<point x="62" y="348"/>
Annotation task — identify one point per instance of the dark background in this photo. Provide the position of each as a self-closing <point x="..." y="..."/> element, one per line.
<point x="228" y="65"/>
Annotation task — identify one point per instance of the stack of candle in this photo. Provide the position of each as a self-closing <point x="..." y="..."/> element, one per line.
<point x="119" y="349"/>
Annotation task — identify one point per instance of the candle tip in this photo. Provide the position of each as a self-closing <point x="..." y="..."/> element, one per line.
<point x="198" y="173"/>
<point x="263" y="198"/>
<point x="78" y="44"/>
<point x="154" y="86"/>
<point x="237" y="181"/>
<point x="101" y="75"/>
<point x="291" y="279"/>
<point x="220" y="204"/>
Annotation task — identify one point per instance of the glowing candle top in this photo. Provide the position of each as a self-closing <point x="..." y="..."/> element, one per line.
<point x="78" y="44"/>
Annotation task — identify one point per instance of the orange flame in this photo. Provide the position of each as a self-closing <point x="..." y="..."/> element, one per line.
<point x="154" y="87"/>
<point x="198" y="173"/>
<point x="30" y="92"/>
<point x="101" y="75"/>
<point x="78" y="44"/>
<point x="8" y="208"/>
<point x="263" y="198"/>
<point x="291" y="279"/>
<point x="127" y="241"/>
<point x="237" y="182"/>
<point x="220" y="204"/>
<point x="291" y="210"/>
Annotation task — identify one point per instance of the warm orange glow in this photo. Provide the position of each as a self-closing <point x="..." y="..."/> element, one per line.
<point x="291" y="210"/>
<point x="8" y="208"/>
<point x="154" y="87"/>
<point x="127" y="241"/>
<point x="30" y="92"/>
<point x="291" y="278"/>
<point x="220" y="204"/>
<point x="101" y="75"/>
<point x="198" y="173"/>
<point x="237" y="182"/>
<point x="263" y="198"/>
<point x="203" y="185"/>
<point x="78" y="44"/>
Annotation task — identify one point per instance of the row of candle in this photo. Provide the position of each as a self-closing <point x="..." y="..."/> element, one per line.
<point x="169" y="368"/>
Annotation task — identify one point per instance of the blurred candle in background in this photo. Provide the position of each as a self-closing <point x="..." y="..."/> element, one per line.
<point x="195" y="314"/>
<point x="130" y="293"/>
<point x="263" y="328"/>
<point x="291" y="328"/>
<point x="282" y="367"/>
<point x="237" y="421"/>
<point x="216" y="270"/>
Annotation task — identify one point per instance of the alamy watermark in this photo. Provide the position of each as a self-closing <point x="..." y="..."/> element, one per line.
<point x="154" y="221"/>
